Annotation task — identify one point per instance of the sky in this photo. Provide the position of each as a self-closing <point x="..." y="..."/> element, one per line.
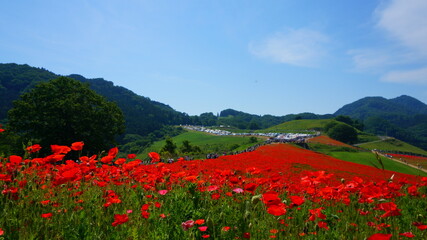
<point x="260" y="57"/>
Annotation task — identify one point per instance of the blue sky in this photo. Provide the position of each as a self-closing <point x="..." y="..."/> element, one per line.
<point x="260" y="57"/>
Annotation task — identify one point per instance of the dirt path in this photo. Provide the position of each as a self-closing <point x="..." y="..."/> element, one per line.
<point x="411" y="165"/>
<point x="382" y="139"/>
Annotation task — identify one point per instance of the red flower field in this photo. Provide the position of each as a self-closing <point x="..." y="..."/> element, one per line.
<point x="278" y="190"/>
<point x="328" y="141"/>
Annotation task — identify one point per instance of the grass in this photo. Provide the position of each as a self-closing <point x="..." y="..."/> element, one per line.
<point x="208" y="143"/>
<point x="327" y="149"/>
<point x="366" y="137"/>
<point x="368" y="158"/>
<point x="393" y="145"/>
<point x="299" y="125"/>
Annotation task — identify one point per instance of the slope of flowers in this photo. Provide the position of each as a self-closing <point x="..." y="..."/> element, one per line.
<point x="415" y="160"/>
<point x="328" y="141"/>
<point x="277" y="191"/>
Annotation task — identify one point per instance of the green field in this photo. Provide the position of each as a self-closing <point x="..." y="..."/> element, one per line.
<point x="393" y="145"/>
<point x="363" y="137"/>
<point x="299" y="125"/>
<point x="368" y="158"/>
<point x="208" y="143"/>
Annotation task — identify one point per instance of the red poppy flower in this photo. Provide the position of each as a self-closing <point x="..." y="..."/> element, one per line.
<point x="77" y="146"/>
<point x="422" y="227"/>
<point x="120" y="161"/>
<point x="297" y="200"/>
<point x="199" y="221"/>
<point x="145" y="214"/>
<point x="316" y="213"/>
<point x="56" y="149"/>
<point x="47" y="215"/>
<point x="120" y="219"/>
<point x="34" y="148"/>
<point x="113" y="152"/>
<point x="271" y="198"/>
<point x="15" y="160"/>
<point x="155" y="157"/>
<point x="187" y="225"/>
<point x="380" y="236"/>
<point x="203" y="228"/>
<point x="163" y="192"/>
<point x="131" y="156"/>
<point x="323" y="225"/>
<point x="226" y="229"/>
<point x="277" y="210"/>
<point x="215" y="196"/>
<point x="407" y="234"/>
<point x="107" y="159"/>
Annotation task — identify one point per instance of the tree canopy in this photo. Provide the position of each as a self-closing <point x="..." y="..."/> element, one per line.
<point x="341" y="132"/>
<point x="63" y="111"/>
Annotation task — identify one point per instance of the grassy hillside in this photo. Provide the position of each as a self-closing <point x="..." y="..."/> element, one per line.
<point x="299" y="125"/>
<point x="368" y="158"/>
<point x="208" y="143"/>
<point x="393" y="145"/>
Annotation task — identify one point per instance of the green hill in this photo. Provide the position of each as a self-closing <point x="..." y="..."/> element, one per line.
<point x="244" y="120"/>
<point x="368" y="158"/>
<point x="207" y="143"/>
<point x="403" y="117"/>
<point x="393" y="145"/>
<point x="300" y="125"/>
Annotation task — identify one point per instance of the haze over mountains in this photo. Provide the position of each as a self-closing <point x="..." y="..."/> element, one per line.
<point x="403" y="117"/>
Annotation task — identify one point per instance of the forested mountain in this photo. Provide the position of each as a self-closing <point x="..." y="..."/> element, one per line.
<point x="16" y="79"/>
<point x="142" y="115"/>
<point x="244" y="120"/>
<point x="403" y="117"/>
<point x="379" y="106"/>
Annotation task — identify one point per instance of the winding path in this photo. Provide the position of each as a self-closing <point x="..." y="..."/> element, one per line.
<point x="410" y="165"/>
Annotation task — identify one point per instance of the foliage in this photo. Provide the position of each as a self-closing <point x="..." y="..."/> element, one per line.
<point x="186" y="148"/>
<point x="352" y="122"/>
<point x="169" y="148"/>
<point x="134" y="143"/>
<point x="16" y="79"/>
<point x="63" y="111"/>
<point x="10" y="144"/>
<point x="341" y="132"/>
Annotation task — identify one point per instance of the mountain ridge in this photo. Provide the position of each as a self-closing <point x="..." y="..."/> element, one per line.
<point x="403" y="117"/>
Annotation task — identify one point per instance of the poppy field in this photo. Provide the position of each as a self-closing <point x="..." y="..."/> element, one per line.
<point x="277" y="191"/>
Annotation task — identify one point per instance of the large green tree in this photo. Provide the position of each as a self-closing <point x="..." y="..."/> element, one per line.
<point x="342" y="132"/>
<point x="63" y="111"/>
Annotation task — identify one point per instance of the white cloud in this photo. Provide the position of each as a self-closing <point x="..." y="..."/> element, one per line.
<point x="417" y="76"/>
<point x="368" y="59"/>
<point x="405" y="20"/>
<point x="300" y="47"/>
